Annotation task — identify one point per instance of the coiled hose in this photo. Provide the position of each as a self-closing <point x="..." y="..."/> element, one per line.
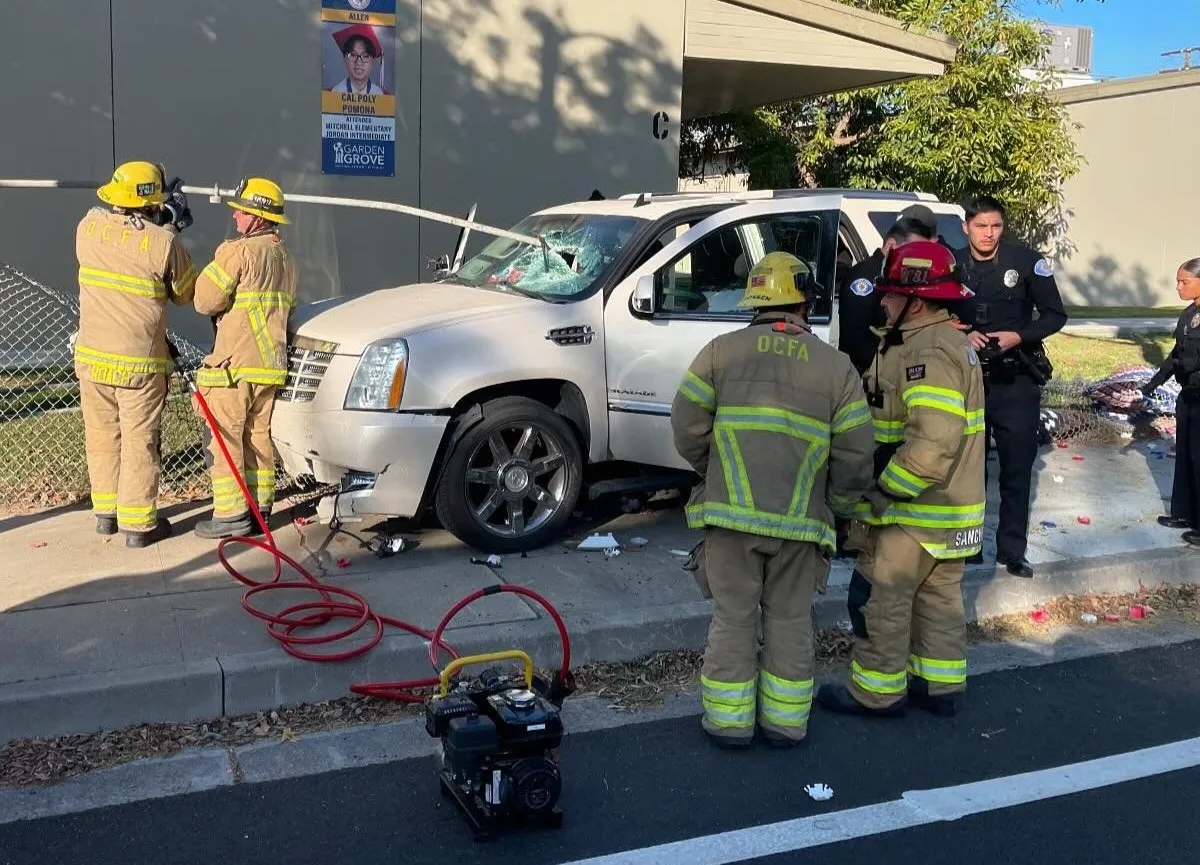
<point x="336" y="602"/>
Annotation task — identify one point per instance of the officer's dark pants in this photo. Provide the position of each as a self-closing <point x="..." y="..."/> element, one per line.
<point x="1011" y="414"/>
<point x="1185" y="491"/>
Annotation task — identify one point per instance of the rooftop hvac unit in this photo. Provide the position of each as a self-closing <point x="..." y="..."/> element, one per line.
<point x="1070" y="48"/>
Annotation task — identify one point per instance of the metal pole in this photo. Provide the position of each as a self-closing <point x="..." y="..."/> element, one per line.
<point x="216" y="194"/>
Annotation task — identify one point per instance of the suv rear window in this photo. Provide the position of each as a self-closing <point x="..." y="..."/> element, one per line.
<point x="949" y="226"/>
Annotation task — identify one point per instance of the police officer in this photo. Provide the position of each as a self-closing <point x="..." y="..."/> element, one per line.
<point x="250" y="288"/>
<point x="1183" y="363"/>
<point x="775" y="422"/>
<point x="1010" y="282"/>
<point x="858" y="304"/>
<point x="131" y="262"/>
<point x="924" y="514"/>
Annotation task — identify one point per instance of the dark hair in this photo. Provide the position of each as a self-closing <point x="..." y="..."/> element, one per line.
<point x="366" y="44"/>
<point x="906" y="228"/>
<point x="984" y="204"/>
<point x="1192" y="267"/>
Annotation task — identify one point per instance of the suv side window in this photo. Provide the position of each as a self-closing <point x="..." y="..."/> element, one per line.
<point x="709" y="279"/>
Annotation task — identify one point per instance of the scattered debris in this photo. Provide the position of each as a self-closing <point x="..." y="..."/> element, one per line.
<point x="1087" y="521"/>
<point x="683" y="554"/>
<point x="1058" y="479"/>
<point x="37" y="545"/>
<point x="1112" y="618"/>
<point x="611" y="553"/>
<point x="819" y="792"/>
<point x="987" y="734"/>
<point x="491" y="561"/>
<point x="1088" y="618"/>
<point x="599" y="542"/>
<point x="1137" y="611"/>
<point x="638" y="542"/>
<point x="1046" y="524"/>
<point x="1039" y="615"/>
<point x="1077" y="458"/>
<point x="343" y="562"/>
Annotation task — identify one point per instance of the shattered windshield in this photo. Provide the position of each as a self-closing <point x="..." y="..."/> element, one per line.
<point x="582" y="249"/>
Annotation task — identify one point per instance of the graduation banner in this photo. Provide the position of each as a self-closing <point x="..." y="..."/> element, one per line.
<point x="358" y="102"/>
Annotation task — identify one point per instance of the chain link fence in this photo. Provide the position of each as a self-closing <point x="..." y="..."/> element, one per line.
<point x="43" y="461"/>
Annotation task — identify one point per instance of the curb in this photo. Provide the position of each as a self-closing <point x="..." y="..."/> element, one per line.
<point x="1121" y="331"/>
<point x="261" y="681"/>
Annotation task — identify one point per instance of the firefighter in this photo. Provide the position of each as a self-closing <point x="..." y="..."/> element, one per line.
<point x="250" y="289"/>
<point x="131" y="262"/>
<point x="924" y="514"/>
<point x="775" y="422"/>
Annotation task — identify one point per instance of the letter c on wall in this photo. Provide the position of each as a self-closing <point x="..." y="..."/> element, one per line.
<point x="660" y="125"/>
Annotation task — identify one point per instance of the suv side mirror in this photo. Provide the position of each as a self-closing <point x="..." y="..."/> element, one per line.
<point x="642" y="300"/>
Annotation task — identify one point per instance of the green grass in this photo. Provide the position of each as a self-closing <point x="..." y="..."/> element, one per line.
<point x="43" y="462"/>
<point x="1093" y="358"/>
<point x="1171" y="312"/>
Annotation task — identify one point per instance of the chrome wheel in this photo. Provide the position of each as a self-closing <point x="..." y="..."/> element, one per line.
<point x="516" y="480"/>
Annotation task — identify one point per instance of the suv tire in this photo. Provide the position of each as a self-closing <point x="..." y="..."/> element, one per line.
<point x="522" y="466"/>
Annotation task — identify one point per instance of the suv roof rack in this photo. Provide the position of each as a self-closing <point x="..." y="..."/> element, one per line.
<point x="642" y="198"/>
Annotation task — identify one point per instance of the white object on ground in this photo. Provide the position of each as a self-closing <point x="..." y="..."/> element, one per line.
<point x="638" y="542"/>
<point x="600" y="542"/>
<point x="611" y="553"/>
<point x="494" y="561"/>
<point x="1058" y="479"/>
<point x="820" y="792"/>
<point x="1088" y="618"/>
<point x="681" y="553"/>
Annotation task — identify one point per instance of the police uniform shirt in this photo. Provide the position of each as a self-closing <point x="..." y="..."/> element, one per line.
<point x="1008" y="289"/>
<point x="1187" y="346"/>
<point x="859" y="309"/>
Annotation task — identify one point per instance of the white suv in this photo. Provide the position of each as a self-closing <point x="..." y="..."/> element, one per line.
<point x="496" y="395"/>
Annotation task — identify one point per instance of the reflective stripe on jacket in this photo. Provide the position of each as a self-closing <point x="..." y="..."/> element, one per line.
<point x="930" y="436"/>
<point x="775" y="422"/>
<point x="128" y="269"/>
<point x="251" y="286"/>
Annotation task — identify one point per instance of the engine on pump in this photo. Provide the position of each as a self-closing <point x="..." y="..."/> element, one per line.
<point x="500" y="734"/>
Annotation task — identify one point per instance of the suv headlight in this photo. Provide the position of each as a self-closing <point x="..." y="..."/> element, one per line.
<point x="378" y="382"/>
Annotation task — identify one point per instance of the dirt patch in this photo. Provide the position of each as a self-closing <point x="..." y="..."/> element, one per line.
<point x="626" y="686"/>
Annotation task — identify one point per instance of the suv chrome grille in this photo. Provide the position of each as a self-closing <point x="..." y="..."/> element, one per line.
<point x="308" y="361"/>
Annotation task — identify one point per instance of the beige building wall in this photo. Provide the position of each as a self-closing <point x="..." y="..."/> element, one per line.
<point x="515" y="105"/>
<point x="1132" y="207"/>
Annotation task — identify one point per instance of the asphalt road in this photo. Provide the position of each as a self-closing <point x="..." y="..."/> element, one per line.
<point x="651" y="784"/>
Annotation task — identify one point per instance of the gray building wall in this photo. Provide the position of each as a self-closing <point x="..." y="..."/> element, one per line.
<point x="513" y="104"/>
<point x="1131" y="208"/>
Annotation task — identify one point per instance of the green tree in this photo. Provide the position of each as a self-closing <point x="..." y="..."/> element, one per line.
<point x="981" y="128"/>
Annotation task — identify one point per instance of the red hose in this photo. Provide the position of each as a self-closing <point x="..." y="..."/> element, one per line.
<point x="285" y="624"/>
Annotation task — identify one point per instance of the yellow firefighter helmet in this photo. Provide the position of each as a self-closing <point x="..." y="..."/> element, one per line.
<point x="779" y="279"/>
<point x="261" y="197"/>
<point x="134" y="185"/>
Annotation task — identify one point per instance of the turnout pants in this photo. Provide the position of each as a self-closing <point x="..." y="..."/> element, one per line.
<point x="122" y="428"/>
<point x="757" y="580"/>
<point x="1185" y="490"/>
<point x="1011" y="414"/>
<point x="243" y="415"/>
<point x="906" y="609"/>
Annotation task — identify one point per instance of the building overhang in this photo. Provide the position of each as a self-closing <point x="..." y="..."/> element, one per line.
<point x="742" y="54"/>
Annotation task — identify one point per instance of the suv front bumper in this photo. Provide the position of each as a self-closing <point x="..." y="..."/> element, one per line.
<point x="381" y="461"/>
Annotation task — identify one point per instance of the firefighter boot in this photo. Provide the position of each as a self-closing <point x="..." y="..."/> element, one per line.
<point x="137" y="540"/>
<point x="939" y="704"/>
<point x="224" y="527"/>
<point x="837" y="698"/>
<point x="106" y="525"/>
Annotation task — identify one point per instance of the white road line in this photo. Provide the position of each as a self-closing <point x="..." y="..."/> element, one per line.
<point x="916" y="808"/>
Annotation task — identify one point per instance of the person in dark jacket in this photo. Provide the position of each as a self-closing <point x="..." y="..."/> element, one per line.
<point x="1011" y="282"/>
<point x="1184" y="364"/>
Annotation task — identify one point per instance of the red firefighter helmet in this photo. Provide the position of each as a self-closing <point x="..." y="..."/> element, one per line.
<point x="926" y="270"/>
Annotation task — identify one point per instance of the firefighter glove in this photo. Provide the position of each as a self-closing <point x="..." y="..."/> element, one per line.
<point x="176" y="205"/>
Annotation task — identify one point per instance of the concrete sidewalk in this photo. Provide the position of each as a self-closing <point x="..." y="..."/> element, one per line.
<point x="97" y="636"/>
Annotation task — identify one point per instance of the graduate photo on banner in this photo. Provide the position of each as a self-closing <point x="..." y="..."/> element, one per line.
<point x="358" y="105"/>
